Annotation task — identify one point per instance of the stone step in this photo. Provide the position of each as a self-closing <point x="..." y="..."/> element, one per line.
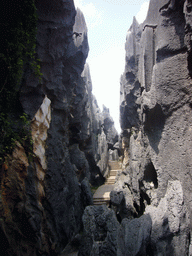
<point x="114" y="165"/>
<point x="110" y="180"/>
<point x="102" y="203"/>
<point x="113" y="172"/>
<point x="101" y="199"/>
<point x="102" y="194"/>
<point x="112" y="177"/>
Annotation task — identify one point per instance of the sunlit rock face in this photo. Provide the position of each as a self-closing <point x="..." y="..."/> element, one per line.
<point x="39" y="126"/>
<point x="156" y="114"/>
<point x="170" y="219"/>
<point x="103" y="153"/>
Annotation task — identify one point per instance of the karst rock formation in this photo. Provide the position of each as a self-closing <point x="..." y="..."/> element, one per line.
<point x="156" y="122"/>
<point x="43" y="198"/>
<point x="46" y="203"/>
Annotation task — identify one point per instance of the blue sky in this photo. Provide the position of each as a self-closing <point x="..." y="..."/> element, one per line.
<point x="108" y="22"/>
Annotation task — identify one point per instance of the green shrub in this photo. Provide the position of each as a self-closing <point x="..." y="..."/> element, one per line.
<point x="14" y="130"/>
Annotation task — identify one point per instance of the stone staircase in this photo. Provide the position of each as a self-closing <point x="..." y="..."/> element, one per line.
<point x="102" y="194"/>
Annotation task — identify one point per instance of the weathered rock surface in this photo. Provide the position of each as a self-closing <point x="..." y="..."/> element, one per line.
<point x="95" y="138"/>
<point x="162" y="230"/>
<point x="100" y="231"/>
<point x="16" y="222"/>
<point x="134" y="237"/>
<point x="156" y="123"/>
<point x="106" y="141"/>
<point x="170" y="223"/>
<point x="108" y="127"/>
<point x="43" y="198"/>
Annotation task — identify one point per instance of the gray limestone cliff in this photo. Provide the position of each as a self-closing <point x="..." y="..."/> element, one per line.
<point x="46" y="200"/>
<point x="155" y="110"/>
<point x="43" y="198"/>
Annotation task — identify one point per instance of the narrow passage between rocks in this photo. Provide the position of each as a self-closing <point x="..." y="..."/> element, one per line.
<point x="102" y="194"/>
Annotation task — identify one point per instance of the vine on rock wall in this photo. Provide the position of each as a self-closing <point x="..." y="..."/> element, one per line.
<point x="18" y="28"/>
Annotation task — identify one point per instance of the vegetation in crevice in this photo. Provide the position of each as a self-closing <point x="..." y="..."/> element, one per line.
<point x="13" y="130"/>
<point x="18" y="29"/>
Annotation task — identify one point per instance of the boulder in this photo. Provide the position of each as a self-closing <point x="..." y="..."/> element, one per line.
<point x="170" y="223"/>
<point x="100" y="231"/>
<point x="87" y="197"/>
<point x="134" y="237"/>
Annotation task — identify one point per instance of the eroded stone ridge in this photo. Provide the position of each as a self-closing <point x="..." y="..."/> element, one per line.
<point x="44" y="197"/>
<point x="156" y="122"/>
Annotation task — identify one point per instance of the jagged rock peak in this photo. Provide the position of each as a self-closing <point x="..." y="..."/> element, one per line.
<point x="132" y="40"/>
<point x="155" y="110"/>
<point x="56" y="10"/>
<point x="134" y="24"/>
<point x="80" y="31"/>
<point x="80" y="26"/>
<point x="78" y="49"/>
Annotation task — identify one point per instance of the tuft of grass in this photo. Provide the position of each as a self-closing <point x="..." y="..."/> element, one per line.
<point x="93" y="189"/>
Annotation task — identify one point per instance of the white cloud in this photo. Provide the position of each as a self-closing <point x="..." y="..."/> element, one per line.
<point x="141" y="15"/>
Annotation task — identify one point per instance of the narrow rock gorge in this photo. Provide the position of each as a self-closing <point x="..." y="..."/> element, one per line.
<point x="55" y="142"/>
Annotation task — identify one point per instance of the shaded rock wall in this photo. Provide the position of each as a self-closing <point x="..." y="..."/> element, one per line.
<point x="156" y="121"/>
<point x="100" y="231"/>
<point x="43" y="198"/>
